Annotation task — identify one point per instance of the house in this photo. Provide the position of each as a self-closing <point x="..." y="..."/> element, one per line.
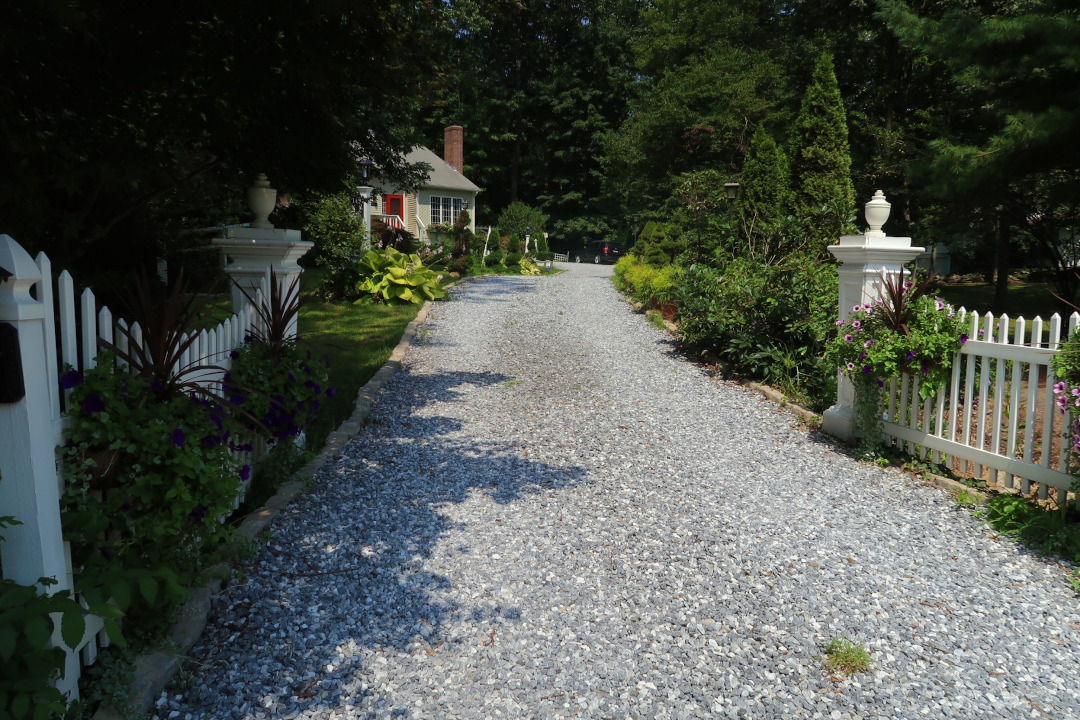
<point x="440" y="200"/>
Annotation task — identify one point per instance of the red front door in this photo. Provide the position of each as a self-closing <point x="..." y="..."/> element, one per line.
<point x="395" y="205"/>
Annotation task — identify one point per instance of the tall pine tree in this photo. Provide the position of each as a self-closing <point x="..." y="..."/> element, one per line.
<point x="821" y="161"/>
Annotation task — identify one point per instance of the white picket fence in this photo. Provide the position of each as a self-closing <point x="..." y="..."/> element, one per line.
<point x="997" y="419"/>
<point x="32" y="428"/>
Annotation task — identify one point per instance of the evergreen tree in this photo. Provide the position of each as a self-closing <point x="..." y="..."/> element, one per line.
<point x="764" y="190"/>
<point x="821" y="161"/>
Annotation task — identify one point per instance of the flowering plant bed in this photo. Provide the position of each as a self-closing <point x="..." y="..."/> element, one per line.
<point x="903" y="331"/>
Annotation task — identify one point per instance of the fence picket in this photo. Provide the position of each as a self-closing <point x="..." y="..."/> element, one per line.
<point x="1014" y="397"/>
<point x="1030" y="417"/>
<point x="88" y="313"/>
<point x="969" y="391"/>
<point x="1002" y="337"/>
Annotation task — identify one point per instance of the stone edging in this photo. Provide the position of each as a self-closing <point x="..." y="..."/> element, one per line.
<point x="154" y="670"/>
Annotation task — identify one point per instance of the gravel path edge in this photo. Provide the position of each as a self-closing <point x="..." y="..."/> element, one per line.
<point x="155" y="670"/>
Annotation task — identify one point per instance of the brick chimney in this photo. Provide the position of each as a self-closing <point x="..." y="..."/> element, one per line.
<point x="453" y="153"/>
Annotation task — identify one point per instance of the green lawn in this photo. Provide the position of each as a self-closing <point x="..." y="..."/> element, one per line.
<point x="1026" y="299"/>
<point x="358" y="340"/>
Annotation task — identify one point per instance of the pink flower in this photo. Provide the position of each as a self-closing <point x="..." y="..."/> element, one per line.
<point x="1059" y="387"/>
<point x="868" y="343"/>
<point x="856" y="323"/>
<point x="857" y="308"/>
<point x="849" y="338"/>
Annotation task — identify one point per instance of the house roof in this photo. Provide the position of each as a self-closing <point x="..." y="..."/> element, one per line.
<point x="442" y="174"/>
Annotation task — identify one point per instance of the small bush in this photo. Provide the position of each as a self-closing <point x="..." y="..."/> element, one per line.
<point x="338" y="233"/>
<point x="495" y="257"/>
<point x="513" y="259"/>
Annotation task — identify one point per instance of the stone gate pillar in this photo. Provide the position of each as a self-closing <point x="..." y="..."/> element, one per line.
<point x="866" y="260"/>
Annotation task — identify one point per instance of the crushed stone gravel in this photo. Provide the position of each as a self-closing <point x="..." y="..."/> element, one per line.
<point x="553" y="515"/>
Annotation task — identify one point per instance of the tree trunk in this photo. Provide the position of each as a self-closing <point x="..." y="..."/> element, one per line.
<point x="1001" y="262"/>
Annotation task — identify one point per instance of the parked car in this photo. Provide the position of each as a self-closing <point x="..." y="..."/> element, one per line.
<point x="600" y="252"/>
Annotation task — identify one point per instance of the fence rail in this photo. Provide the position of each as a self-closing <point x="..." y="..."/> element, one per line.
<point x="997" y="419"/>
<point x="56" y="328"/>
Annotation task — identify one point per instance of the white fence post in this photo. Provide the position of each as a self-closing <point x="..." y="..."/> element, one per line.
<point x="865" y="259"/>
<point x="29" y="487"/>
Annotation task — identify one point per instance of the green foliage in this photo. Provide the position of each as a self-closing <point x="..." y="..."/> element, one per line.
<point x="519" y="220"/>
<point x="339" y="237"/>
<point x="643" y="282"/>
<point x="904" y="331"/>
<point x="768" y="323"/>
<point x="846" y="656"/>
<point x="1048" y="531"/>
<point x="147" y="479"/>
<point x="765" y="185"/>
<point x="658" y="244"/>
<point x="393" y="276"/>
<point x="282" y="387"/>
<point x="528" y="267"/>
<point x="821" y="162"/>
<point x="29" y="663"/>
<point x="495" y="257"/>
<point x="109" y="143"/>
<point x="513" y="258"/>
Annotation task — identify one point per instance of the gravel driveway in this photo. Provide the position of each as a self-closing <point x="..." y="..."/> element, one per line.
<point x="553" y="515"/>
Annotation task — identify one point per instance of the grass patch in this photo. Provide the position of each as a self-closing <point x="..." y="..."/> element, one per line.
<point x="1026" y="299"/>
<point x="358" y="339"/>
<point x="967" y="498"/>
<point x="1051" y="532"/>
<point x="847" y="657"/>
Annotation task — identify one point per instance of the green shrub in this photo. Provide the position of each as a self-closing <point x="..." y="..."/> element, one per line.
<point x="392" y="276"/>
<point x="545" y="256"/>
<point x="519" y="219"/>
<point x="29" y="662"/>
<point x="658" y="244"/>
<point x="513" y="259"/>
<point x="769" y="323"/>
<point x="148" y="478"/>
<point x="339" y="236"/>
<point x="513" y="245"/>
<point x="495" y="257"/>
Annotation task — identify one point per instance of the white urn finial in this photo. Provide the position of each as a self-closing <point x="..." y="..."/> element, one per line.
<point x="877" y="213"/>
<point x="261" y="199"/>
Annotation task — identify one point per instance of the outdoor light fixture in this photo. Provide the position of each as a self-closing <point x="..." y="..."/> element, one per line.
<point x="465" y="204"/>
<point x="732" y="190"/>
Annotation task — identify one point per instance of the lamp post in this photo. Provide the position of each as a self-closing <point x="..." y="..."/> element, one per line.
<point x="362" y="203"/>
<point x="732" y="189"/>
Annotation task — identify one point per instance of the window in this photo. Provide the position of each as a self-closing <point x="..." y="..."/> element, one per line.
<point x="445" y="209"/>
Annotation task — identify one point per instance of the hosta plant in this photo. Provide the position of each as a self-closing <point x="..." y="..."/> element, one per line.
<point x="391" y="276"/>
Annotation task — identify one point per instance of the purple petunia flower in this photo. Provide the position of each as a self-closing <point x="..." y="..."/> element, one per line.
<point x="839" y="323"/>
<point x="178" y="437"/>
<point x="332" y="392"/>
<point x="857" y="308"/>
<point x="880" y="382"/>
<point x="926" y="370"/>
<point x="851" y="366"/>
<point x="234" y="354"/>
<point x="963" y="339"/>
<point x="866" y="370"/>
<point x="1059" y="387"/>
<point x="94" y="404"/>
<point x="245" y="473"/>
<point x="868" y="343"/>
<point x="70" y="379"/>
<point x="1062" y="401"/>
<point x="856" y="323"/>
<point x="940" y="305"/>
<point x="1076" y="391"/>
<point x="862" y="356"/>
<point x="849" y="338"/>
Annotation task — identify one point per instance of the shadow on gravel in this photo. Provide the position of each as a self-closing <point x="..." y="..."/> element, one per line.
<point x="378" y="506"/>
